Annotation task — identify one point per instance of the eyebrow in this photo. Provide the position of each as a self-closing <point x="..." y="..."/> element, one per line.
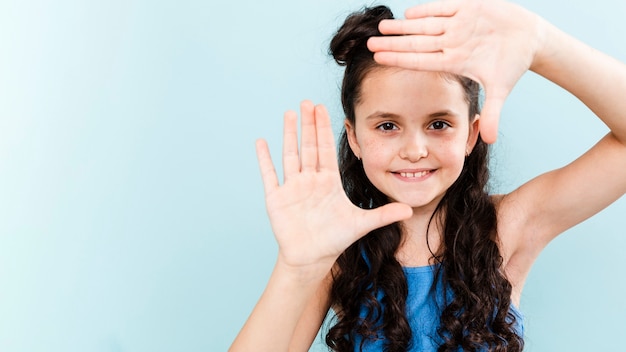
<point x="385" y="115"/>
<point x="381" y="115"/>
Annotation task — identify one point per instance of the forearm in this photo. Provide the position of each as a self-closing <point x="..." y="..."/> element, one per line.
<point x="595" y="78"/>
<point x="271" y="324"/>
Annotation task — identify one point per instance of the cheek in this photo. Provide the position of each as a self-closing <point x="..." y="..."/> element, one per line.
<point x="372" y="147"/>
<point x="457" y="162"/>
<point x="451" y="151"/>
<point x="375" y="156"/>
<point x="452" y="155"/>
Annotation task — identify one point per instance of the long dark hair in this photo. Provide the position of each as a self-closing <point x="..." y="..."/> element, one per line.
<point x="369" y="290"/>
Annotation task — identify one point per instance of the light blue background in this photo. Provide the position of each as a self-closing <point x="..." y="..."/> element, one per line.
<point x="131" y="209"/>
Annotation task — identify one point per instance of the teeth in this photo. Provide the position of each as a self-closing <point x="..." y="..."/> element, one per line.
<point x="413" y="174"/>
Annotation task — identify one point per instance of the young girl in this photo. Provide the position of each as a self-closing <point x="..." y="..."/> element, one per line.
<point x="400" y="238"/>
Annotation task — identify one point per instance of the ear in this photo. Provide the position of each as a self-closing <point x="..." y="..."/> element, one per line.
<point x="354" y="144"/>
<point x="474" y="130"/>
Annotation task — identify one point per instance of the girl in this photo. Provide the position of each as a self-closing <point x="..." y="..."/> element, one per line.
<point x="400" y="238"/>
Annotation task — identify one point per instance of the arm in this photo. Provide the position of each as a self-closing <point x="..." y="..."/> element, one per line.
<point x="595" y="78"/>
<point x="560" y="199"/>
<point x="279" y="307"/>
<point x="312" y="317"/>
<point x="287" y="299"/>
<point x="313" y="222"/>
<point x="287" y="316"/>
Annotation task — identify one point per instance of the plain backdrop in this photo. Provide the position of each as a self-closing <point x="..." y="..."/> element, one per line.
<point x="131" y="208"/>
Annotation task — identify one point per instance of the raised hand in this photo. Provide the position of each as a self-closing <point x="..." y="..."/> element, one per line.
<point x="312" y="218"/>
<point x="489" y="41"/>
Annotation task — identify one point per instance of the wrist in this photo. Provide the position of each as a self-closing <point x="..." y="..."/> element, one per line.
<point x="546" y="45"/>
<point x="303" y="274"/>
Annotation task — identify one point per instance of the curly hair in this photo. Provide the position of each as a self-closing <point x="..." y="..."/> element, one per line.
<point x="369" y="290"/>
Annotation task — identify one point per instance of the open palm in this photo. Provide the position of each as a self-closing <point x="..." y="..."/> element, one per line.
<point x="312" y="218"/>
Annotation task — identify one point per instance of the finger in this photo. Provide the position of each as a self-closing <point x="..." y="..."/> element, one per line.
<point x="424" y="26"/>
<point x="327" y="153"/>
<point x="268" y="173"/>
<point x="291" y="159"/>
<point x="412" y="61"/>
<point x="406" y="44"/>
<point x="490" y="117"/>
<point x="432" y="9"/>
<point x="308" y="145"/>
<point x="385" y="215"/>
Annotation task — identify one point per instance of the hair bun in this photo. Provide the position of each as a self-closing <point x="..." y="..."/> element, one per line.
<point x="351" y="38"/>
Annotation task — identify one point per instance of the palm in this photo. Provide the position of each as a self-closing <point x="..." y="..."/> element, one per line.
<point x="311" y="216"/>
<point x="489" y="41"/>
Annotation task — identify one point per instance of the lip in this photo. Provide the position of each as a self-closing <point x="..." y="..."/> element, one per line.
<point x="413" y="175"/>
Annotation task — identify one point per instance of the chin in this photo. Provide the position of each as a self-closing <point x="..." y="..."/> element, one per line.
<point x="420" y="203"/>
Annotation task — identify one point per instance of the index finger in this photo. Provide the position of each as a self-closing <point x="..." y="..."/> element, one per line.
<point x="432" y="9"/>
<point x="291" y="158"/>
<point x="421" y="26"/>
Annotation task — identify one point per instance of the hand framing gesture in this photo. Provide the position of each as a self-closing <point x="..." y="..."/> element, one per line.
<point x="311" y="216"/>
<point x="489" y="41"/>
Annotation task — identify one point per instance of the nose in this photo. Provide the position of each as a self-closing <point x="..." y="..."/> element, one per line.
<point x="414" y="147"/>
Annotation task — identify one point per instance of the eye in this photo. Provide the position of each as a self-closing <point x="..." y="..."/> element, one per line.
<point x="387" y="126"/>
<point x="439" y="125"/>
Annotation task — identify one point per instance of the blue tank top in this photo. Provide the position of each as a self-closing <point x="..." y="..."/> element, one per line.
<point x="424" y="311"/>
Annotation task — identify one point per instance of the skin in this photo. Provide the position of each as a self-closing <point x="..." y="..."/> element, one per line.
<point x="493" y="42"/>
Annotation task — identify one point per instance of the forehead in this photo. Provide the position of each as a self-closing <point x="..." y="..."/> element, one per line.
<point x="406" y="92"/>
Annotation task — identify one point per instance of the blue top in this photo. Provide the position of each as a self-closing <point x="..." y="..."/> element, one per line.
<point x="424" y="311"/>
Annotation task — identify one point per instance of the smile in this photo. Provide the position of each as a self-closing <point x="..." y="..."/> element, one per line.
<point x="414" y="174"/>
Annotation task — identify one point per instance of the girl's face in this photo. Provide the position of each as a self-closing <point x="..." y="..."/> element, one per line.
<point x="412" y="133"/>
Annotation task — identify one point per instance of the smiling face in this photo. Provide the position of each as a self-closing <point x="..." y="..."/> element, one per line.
<point x="412" y="132"/>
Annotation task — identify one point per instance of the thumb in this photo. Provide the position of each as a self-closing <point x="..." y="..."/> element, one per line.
<point x="490" y="117"/>
<point x="385" y="215"/>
